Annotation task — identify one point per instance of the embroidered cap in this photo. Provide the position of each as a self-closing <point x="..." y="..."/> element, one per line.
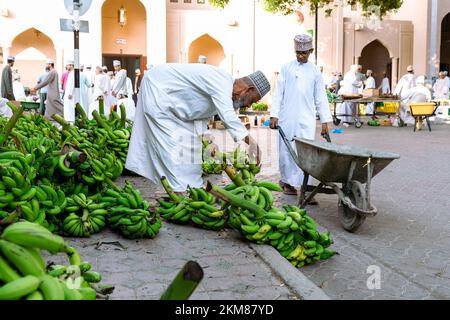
<point x="303" y="42"/>
<point x="261" y="83"/>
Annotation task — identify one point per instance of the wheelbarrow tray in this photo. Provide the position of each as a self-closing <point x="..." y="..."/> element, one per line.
<point x="330" y="162"/>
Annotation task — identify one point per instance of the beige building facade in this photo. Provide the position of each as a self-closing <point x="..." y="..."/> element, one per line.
<point x="241" y="38"/>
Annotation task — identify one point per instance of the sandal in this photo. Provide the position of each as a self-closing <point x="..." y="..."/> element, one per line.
<point x="289" y="190"/>
<point x="313" y="202"/>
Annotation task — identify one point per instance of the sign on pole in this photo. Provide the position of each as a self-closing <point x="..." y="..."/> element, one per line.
<point x="76" y="8"/>
<point x="83" y="6"/>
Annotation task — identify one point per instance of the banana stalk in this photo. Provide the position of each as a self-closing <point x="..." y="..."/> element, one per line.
<point x="229" y="170"/>
<point x="184" y="283"/>
<point x="61" y="121"/>
<point x="123" y="116"/>
<point x="169" y="190"/>
<point x="10" y="125"/>
<point x="235" y="200"/>
<point x="81" y="112"/>
<point x="100" y="122"/>
<point x="101" y="106"/>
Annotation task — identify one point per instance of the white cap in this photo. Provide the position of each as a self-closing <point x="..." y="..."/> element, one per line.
<point x="70" y="62"/>
<point x="149" y="66"/>
<point x="88" y="66"/>
<point x="202" y="59"/>
<point x="410" y="68"/>
<point x="420" y="80"/>
<point x="116" y="63"/>
<point x="11" y="58"/>
<point x="50" y="61"/>
<point x="81" y="66"/>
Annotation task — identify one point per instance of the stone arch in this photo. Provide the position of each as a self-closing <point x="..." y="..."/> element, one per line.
<point x="376" y="57"/>
<point x="209" y="47"/>
<point x="134" y="32"/>
<point x="445" y="43"/>
<point x="31" y="49"/>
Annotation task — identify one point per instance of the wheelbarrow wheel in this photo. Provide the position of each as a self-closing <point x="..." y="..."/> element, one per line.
<point x="349" y="219"/>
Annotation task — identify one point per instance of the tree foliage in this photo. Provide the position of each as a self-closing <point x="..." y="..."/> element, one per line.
<point x="370" y="7"/>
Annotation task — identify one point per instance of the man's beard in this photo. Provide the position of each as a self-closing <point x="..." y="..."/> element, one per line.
<point x="239" y="103"/>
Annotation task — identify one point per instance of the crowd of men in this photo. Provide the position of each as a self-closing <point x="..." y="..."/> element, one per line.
<point x="409" y="89"/>
<point x="57" y="94"/>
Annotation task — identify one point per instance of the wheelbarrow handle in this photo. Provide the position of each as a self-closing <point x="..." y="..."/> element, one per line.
<point x="326" y="135"/>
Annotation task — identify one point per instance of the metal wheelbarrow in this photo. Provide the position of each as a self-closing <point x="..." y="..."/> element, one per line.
<point x="332" y="164"/>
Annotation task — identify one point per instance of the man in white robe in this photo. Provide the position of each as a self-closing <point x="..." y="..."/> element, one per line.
<point x="385" y="85"/>
<point x="417" y="94"/>
<point x="370" y="84"/>
<point x="101" y="91"/>
<point x="300" y="94"/>
<point x="352" y="85"/>
<point x="69" y="101"/>
<point x="120" y="80"/>
<point x="440" y="87"/>
<point x="173" y="108"/>
<point x="406" y="82"/>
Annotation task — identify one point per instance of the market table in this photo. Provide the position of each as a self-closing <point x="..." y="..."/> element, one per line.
<point x="357" y="113"/>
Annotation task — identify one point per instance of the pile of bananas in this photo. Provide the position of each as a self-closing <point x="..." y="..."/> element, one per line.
<point x="24" y="273"/>
<point x="291" y="231"/>
<point x="131" y="215"/>
<point x="85" y="216"/>
<point x="15" y="182"/>
<point x="198" y="208"/>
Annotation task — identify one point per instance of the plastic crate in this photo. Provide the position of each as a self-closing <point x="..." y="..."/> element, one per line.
<point x="388" y="107"/>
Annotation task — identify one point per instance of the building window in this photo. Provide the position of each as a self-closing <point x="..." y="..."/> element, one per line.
<point x="187" y="1"/>
<point x="354" y="7"/>
<point x="174" y="1"/>
<point x="201" y="1"/>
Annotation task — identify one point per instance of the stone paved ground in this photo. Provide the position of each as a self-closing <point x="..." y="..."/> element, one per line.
<point x="143" y="269"/>
<point x="409" y="239"/>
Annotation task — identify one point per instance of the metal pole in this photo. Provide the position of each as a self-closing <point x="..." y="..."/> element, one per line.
<point x="316" y="38"/>
<point x="76" y="37"/>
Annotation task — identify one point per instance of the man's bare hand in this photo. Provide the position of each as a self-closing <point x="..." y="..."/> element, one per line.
<point x="254" y="152"/>
<point x="273" y="123"/>
<point x="70" y="97"/>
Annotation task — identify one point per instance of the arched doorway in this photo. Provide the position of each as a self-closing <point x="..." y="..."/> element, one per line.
<point x="445" y="43"/>
<point x="376" y="57"/>
<point x="209" y="47"/>
<point x="124" y="35"/>
<point x="31" y="49"/>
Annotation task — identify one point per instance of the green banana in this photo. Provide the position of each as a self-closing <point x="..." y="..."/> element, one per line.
<point x="35" y="236"/>
<point x="19" y="288"/>
<point x="22" y="260"/>
<point x="51" y="288"/>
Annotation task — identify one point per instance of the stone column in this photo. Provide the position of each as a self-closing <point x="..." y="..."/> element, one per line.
<point x="394" y="77"/>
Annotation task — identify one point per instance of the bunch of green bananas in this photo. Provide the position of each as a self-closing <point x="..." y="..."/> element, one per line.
<point x="23" y="271"/>
<point x="199" y="209"/>
<point x="15" y="184"/>
<point x="35" y="125"/>
<point x="131" y="215"/>
<point x="85" y="216"/>
<point x="292" y="231"/>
